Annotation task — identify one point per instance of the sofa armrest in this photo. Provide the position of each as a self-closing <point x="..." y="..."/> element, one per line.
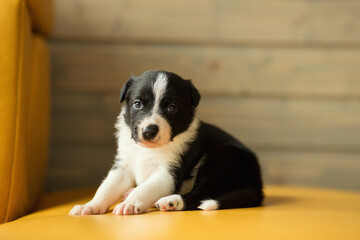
<point x="41" y="14"/>
<point x="24" y="110"/>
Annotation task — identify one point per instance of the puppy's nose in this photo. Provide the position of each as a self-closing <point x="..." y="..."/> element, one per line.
<point x="150" y="132"/>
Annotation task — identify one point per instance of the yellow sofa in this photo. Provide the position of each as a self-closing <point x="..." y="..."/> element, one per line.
<point x="24" y="103"/>
<point x="288" y="212"/>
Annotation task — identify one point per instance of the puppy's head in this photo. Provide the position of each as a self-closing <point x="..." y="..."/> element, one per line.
<point x="159" y="106"/>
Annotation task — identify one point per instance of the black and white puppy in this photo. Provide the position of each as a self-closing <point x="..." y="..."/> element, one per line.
<point x="170" y="157"/>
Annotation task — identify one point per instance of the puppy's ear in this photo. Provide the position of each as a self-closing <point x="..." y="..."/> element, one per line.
<point x="125" y="89"/>
<point x="194" y="95"/>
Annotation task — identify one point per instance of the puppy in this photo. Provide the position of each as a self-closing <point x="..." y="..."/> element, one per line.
<point x="170" y="157"/>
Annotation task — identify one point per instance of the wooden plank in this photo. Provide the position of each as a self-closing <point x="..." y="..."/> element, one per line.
<point x="322" y="169"/>
<point x="78" y="166"/>
<point x="265" y="124"/>
<point x="231" y="21"/>
<point x="274" y="72"/>
<point x="80" y="119"/>
<point x="74" y="166"/>
<point x="294" y="124"/>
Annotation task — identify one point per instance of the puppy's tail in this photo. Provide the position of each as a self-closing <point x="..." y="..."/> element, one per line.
<point x="241" y="198"/>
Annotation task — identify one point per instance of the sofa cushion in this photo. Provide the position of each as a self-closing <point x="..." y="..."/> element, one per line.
<point x="24" y="104"/>
<point x="288" y="213"/>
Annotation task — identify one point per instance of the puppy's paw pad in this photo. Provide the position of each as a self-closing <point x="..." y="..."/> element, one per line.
<point x="170" y="203"/>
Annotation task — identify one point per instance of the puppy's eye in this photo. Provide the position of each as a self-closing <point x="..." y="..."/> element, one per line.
<point x="137" y="104"/>
<point x="172" y="108"/>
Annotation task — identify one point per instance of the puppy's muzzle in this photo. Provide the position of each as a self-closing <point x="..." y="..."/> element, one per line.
<point x="150" y="132"/>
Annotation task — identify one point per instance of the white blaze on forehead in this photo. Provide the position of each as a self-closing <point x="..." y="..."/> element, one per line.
<point x="159" y="89"/>
<point x="164" y="134"/>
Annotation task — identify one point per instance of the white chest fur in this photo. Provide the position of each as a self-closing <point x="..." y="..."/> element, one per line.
<point x="142" y="162"/>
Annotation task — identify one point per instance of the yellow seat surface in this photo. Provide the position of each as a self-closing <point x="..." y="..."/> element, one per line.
<point x="288" y="213"/>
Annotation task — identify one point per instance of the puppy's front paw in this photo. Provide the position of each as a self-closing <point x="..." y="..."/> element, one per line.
<point x="85" y="210"/>
<point x="129" y="208"/>
<point x="170" y="203"/>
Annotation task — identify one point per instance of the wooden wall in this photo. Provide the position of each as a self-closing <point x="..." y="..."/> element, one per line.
<point x="282" y="75"/>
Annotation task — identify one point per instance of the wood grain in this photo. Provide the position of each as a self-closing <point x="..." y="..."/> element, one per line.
<point x="281" y="75"/>
<point x="298" y="124"/>
<point x="231" y="21"/>
<point x="311" y="168"/>
<point x="270" y="123"/>
<point x="238" y="71"/>
<point x="75" y="166"/>
<point x="78" y="166"/>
